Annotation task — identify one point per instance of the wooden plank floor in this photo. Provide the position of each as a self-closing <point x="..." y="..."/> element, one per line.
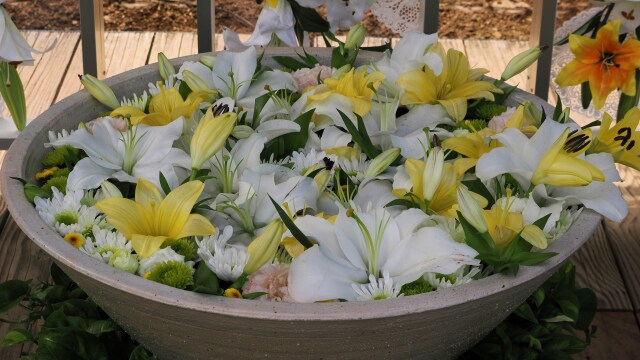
<point x="608" y="263"/>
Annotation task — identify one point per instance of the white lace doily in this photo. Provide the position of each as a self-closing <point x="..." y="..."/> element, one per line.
<point x="400" y="15"/>
<point x="570" y="95"/>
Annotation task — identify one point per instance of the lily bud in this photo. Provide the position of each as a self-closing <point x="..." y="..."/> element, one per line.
<point x="208" y="60"/>
<point x="263" y="248"/>
<point x="194" y="81"/>
<point x="355" y="37"/>
<point x="344" y="69"/>
<point x="322" y="179"/>
<point x="382" y="162"/>
<point x="471" y="210"/>
<point x="109" y="190"/>
<point x="242" y="131"/>
<point x="433" y="169"/>
<point x="165" y="67"/>
<point x="100" y="91"/>
<point x="521" y="62"/>
<point x="210" y="136"/>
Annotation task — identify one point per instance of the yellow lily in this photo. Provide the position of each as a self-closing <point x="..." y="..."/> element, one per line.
<point x="424" y="179"/>
<point x="264" y="247"/>
<point x="473" y="145"/>
<point x="151" y="219"/>
<point x="604" y="62"/>
<point x="210" y="136"/>
<point x="452" y="88"/>
<point x="355" y="85"/>
<point x="560" y="166"/>
<point x="504" y="225"/>
<point x="621" y="139"/>
<point x="165" y="107"/>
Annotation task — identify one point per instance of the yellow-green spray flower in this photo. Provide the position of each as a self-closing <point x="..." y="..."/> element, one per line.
<point x="151" y="219"/>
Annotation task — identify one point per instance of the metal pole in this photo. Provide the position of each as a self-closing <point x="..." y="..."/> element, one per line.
<point x="542" y="31"/>
<point x="92" y="34"/>
<point x="431" y="16"/>
<point x="206" y="26"/>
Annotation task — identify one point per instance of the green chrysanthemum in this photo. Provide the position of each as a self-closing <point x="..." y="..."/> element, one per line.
<point x="184" y="247"/>
<point x="416" y="287"/>
<point x="61" y="156"/>
<point x="173" y="273"/>
<point x="59" y="182"/>
<point x="489" y="111"/>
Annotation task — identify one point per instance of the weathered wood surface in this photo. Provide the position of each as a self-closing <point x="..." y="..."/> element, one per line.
<point x="607" y="263"/>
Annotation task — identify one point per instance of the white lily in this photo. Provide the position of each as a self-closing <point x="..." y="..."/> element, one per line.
<point x="541" y="159"/>
<point x="13" y="46"/>
<point x="233" y="77"/>
<point x="601" y="196"/>
<point x="141" y="152"/>
<point x="410" y="135"/>
<point x="370" y="243"/>
<point x="228" y="166"/>
<point x="341" y="14"/>
<point x="409" y="54"/>
<point x="275" y="20"/>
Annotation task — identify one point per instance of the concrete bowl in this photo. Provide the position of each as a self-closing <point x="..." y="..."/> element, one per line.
<point x="178" y="324"/>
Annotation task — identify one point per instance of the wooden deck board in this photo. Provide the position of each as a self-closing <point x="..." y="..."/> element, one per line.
<point x="597" y="265"/>
<point x="624" y="237"/>
<point x="596" y="268"/>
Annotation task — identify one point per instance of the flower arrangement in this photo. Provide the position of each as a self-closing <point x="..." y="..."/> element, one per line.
<point x="316" y="183"/>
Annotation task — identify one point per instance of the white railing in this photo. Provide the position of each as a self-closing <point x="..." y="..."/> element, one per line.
<point x="92" y="32"/>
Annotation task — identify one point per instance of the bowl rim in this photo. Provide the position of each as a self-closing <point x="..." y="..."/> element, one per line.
<point x="28" y="219"/>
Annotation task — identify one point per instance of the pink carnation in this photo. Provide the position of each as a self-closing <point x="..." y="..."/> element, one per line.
<point x="498" y="123"/>
<point x="271" y="279"/>
<point x="306" y="78"/>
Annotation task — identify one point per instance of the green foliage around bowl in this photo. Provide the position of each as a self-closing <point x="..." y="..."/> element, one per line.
<point x="546" y="326"/>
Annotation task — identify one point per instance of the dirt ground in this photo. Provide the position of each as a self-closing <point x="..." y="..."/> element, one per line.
<point x="481" y="19"/>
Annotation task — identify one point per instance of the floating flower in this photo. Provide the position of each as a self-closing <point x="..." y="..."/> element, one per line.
<point x="275" y="25"/>
<point x="604" y="62"/>
<point x="151" y="219"/>
<point x="142" y="152"/>
<point x="66" y="214"/>
<point x="341" y="14"/>
<point x="550" y="156"/>
<point x="210" y="136"/>
<point x="225" y="260"/>
<point x="360" y="244"/>
<point x="452" y="88"/>
<point x="271" y="279"/>
<point x="620" y="140"/>
<point x="103" y="243"/>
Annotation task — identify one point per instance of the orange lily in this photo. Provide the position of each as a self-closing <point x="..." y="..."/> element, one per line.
<point x="604" y="62"/>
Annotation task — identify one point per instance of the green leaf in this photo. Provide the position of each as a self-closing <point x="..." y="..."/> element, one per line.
<point x="531" y="258"/>
<point x="164" y="184"/>
<point x="524" y="311"/>
<point x="627" y="102"/>
<point x="289" y="63"/>
<point x="308" y="18"/>
<point x="360" y="136"/>
<point x="100" y="327"/>
<point x="17" y="337"/>
<point x="588" y="307"/>
<point x="295" y="231"/>
<point x="400" y="202"/>
<point x="585" y="94"/>
<point x="253" y="295"/>
<point x="205" y="281"/>
<point x="557" y="112"/>
<point x="338" y="60"/>
<point x="12" y="292"/>
<point x="140" y="353"/>
<point x="288" y="143"/>
<point x="12" y="92"/>
<point x="479" y="188"/>
<point x="486" y="249"/>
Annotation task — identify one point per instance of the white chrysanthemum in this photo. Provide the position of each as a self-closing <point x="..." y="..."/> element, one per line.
<point x="459" y="277"/>
<point x="66" y="214"/>
<point x="377" y="289"/>
<point x="567" y="217"/>
<point x="172" y="82"/>
<point x="104" y="243"/>
<point x="302" y="161"/>
<point x="160" y="256"/>
<point x="355" y="168"/>
<point x="138" y="102"/>
<point x="55" y="136"/>
<point x="226" y="261"/>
